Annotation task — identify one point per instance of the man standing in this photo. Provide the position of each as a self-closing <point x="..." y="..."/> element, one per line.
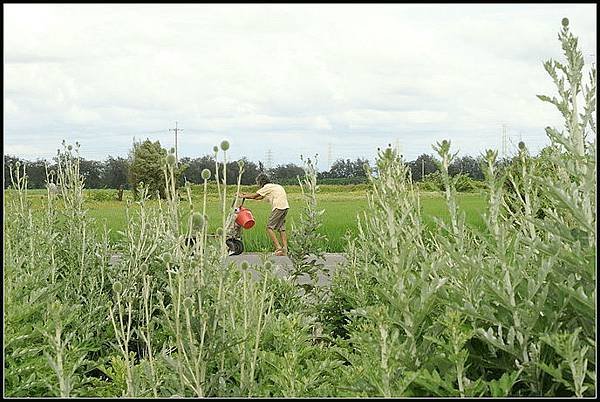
<point x="275" y="194"/>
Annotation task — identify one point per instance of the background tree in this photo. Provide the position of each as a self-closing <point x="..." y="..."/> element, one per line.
<point x="426" y="164"/>
<point x="467" y="165"/>
<point x="146" y="165"/>
<point x="92" y="171"/>
<point x="286" y="174"/>
<point x="116" y="173"/>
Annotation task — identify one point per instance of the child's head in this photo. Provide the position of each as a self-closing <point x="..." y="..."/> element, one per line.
<point x="262" y="179"/>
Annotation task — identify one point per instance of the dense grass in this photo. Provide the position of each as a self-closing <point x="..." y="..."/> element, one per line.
<point x="341" y="205"/>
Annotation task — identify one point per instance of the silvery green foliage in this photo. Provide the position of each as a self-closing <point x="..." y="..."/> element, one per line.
<point x="508" y="310"/>
<point x="306" y="241"/>
<point x="447" y="310"/>
<point x="55" y="274"/>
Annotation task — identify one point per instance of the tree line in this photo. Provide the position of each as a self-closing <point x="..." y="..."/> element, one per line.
<point x="144" y="163"/>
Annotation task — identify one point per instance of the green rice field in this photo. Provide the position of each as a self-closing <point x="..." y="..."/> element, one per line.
<point x="342" y="204"/>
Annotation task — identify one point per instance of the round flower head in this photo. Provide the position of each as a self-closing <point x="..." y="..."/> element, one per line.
<point x="565" y="22"/>
<point x="224" y="145"/>
<point x="167" y="258"/>
<point x="187" y="302"/>
<point x="197" y="220"/>
<point x="219" y="231"/>
<point x="205" y="174"/>
<point x="18" y="164"/>
<point x="215" y="149"/>
<point x="117" y="287"/>
<point x="268" y="265"/>
<point x="172" y="150"/>
<point x="241" y="163"/>
<point x="52" y="172"/>
<point x="245" y="265"/>
<point x="70" y="147"/>
<point x="171" y="159"/>
<point x="521" y="145"/>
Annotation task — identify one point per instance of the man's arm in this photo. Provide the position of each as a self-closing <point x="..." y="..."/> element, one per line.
<point x="252" y="196"/>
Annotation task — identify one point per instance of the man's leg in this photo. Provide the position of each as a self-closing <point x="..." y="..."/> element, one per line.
<point x="284" y="240"/>
<point x="271" y="233"/>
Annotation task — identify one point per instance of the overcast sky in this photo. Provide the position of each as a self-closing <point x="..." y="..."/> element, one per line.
<point x="290" y="78"/>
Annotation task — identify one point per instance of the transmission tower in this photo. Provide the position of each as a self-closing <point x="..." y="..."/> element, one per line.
<point x="269" y="159"/>
<point x="397" y="146"/>
<point x="504" y="141"/>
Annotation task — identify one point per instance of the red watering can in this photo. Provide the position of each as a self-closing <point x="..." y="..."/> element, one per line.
<point x="244" y="217"/>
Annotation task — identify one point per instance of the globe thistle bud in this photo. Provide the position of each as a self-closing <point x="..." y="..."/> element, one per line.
<point x="268" y="265"/>
<point x="205" y="174"/>
<point x="187" y="302"/>
<point x="241" y="163"/>
<point x="70" y="147"/>
<point x="219" y="231"/>
<point x="117" y="287"/>
<point x="565" y="22"/>
<point x="52" y="172"/>
<point x="245" y="265"/>
<point x="215" y="149"/>
<point x="224" y="145"/>
<point x="171" y="159"/>
<point x="197" y="220"/>
<point x="167" y="258"/>
<point x="521" y="145"/>
<point x="172" y="150"/>
<point x="18" y="164"/>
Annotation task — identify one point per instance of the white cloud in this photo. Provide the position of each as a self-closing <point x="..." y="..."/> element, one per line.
<point x="289" y="77"/>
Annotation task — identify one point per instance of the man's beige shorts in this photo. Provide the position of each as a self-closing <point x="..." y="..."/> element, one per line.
<point x="277" y="219"/>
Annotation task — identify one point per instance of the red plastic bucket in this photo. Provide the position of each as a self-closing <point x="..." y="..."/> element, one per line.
<point x="244" y="218"/>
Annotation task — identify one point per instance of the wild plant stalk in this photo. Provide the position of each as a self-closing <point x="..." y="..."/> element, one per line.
<point x="147" y="331"/>
<point x="224" y="148"/>
<point x="123" y="333"/>
<point x="307" y="243"/>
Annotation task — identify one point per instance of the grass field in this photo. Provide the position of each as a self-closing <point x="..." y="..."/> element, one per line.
<point x="341" y="204"/>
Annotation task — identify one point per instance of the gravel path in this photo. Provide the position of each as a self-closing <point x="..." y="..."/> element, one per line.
<point x="281" y="265"/>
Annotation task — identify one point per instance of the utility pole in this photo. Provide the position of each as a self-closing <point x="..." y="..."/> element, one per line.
<point x="176" y="130"/>
<point x="329" y="153"/>
<point x="422" y="168"/>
